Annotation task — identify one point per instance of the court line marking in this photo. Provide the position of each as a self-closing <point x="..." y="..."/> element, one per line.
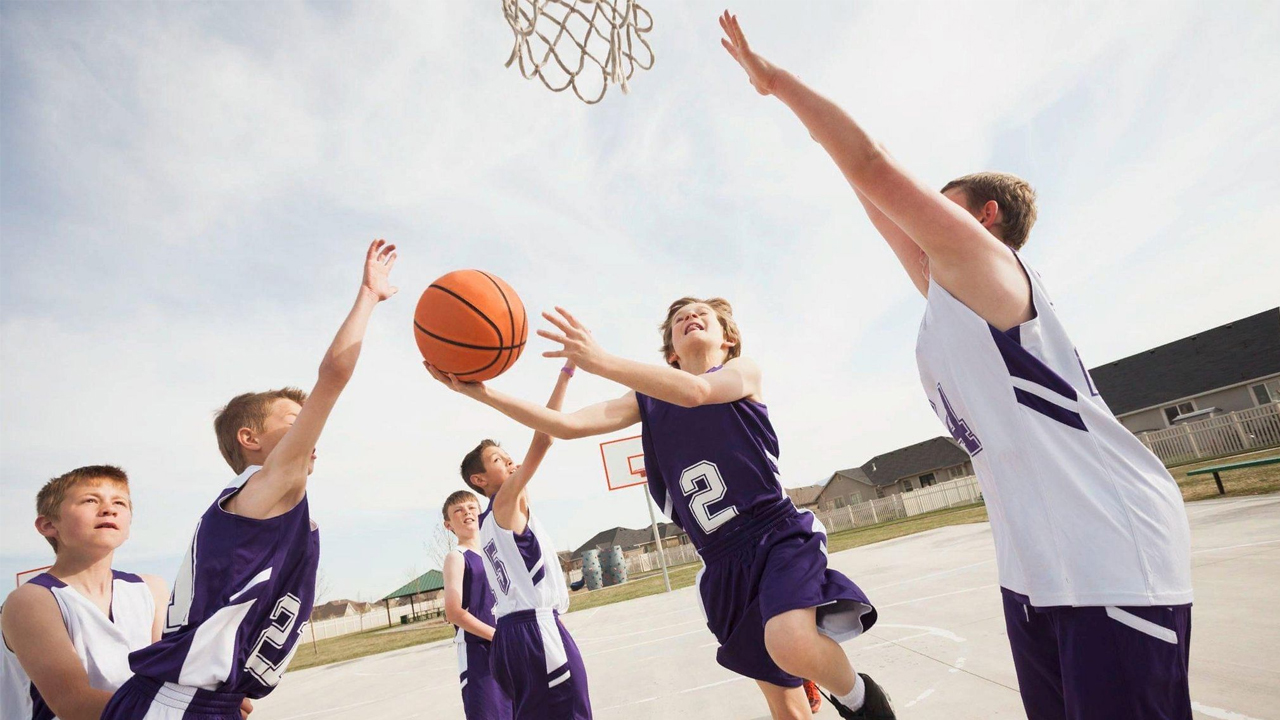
<point x="584" y="641"/>
<point x="1233" y="547"/>
<point x="932" y="575"/>
<point x="682" y="692"/>
<point x="1219" y="713"/>
<point x="934" y="597"/>
<point x="646" y="642"/>
<point x="922" y="696"/>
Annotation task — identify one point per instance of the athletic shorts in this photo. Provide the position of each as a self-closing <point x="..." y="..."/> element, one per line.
<point x="539" y="667"/>
<point x="482" y="699"/>
<point x="142" y="698"/>
<point x="1100" y="663"/>
<point x="769" y="566"/>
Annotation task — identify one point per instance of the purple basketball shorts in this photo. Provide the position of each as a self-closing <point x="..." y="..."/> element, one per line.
<point x="482" y="699"/>
<point x="1100" y="663"/>
<point x="538" y="665"/>
<point x="774" y="564"/>
<point x="143" y="697"/>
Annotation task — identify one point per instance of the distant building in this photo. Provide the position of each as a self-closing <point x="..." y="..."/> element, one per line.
<point x="805" y="498"/>
<point x="340" y="608"/>
<point x="632" y="542"/>
<point x="1231" y="367"/>
<point x="903" y="470"/>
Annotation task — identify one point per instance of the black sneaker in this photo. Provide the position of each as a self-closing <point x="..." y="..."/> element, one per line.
<point x="875" y="706"/>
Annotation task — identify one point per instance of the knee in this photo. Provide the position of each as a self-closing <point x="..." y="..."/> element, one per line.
<point x="787" y="638"/>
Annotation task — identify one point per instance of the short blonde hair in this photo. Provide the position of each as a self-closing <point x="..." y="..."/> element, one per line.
<point x="724" y="312"/>
<point x="1015" y="196"/>
<point x="249" y="410"/>
<point x="49" y="499"/>
<point x="457" y="498"/>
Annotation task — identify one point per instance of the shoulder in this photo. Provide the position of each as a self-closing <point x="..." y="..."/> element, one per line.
<point x="28" y="605"/>
<point x="742" y="364"/>
<point x="157" y="585"/>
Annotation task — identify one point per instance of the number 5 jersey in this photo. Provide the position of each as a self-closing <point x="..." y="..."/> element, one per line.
<point x="240" y="602"/>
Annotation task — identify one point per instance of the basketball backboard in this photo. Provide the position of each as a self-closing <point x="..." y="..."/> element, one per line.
<point x="26" y="575"/>
<point x="623" y="462"/>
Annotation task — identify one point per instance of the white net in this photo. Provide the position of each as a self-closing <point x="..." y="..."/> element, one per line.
<point x="583" y="45"/>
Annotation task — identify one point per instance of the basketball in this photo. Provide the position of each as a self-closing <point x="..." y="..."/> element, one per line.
<point x="471" y="324"/>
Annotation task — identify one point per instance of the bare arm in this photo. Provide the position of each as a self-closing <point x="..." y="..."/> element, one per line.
<point x="33" y="629"/>
<point x="598" y="419"/>
<point x="909" y="254"/>
<point x="160" y="595"/>
<point x="739" y="378"/>
<point x="282" y="481"/>
<point x="454" y="614"/>
<point x="510" y="507"/>
<point x="963" y="256"/>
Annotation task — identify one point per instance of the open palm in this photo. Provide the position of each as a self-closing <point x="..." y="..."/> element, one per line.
<point x="377" y="269"/>
<point x="759" y="71"/>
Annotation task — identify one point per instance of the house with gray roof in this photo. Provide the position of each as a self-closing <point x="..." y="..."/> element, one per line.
<point x="1230" y="367"/>
<point x="903" y="470"/>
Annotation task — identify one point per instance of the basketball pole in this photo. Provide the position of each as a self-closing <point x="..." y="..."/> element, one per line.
<point x="657" y="539"/>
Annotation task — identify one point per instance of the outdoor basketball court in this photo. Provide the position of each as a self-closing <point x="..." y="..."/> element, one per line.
<point x="939" y="647"/>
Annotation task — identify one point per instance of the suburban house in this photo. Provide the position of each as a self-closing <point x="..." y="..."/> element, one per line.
<point x="1231" y="367"/>
<point x="632" y="542"/>
<point x="340" y="608"/>
<point x="805" y="498"/>
<point x="904" y="470"/>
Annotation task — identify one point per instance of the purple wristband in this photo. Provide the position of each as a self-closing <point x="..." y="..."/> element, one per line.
<point x="567" y="370"/>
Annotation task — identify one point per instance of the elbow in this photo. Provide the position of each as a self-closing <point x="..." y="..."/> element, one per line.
<point x="696" y="396"/>
<point x="335" y="372"/>
<point x="450" y="615"/>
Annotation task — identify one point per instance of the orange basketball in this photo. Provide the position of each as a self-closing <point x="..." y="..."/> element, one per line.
<point x="470" y="324"/>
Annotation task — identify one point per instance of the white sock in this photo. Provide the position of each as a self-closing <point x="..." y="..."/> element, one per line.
<point x="855" y="697"/>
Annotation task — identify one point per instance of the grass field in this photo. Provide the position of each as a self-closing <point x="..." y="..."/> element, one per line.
<point x="1252" y="481"/>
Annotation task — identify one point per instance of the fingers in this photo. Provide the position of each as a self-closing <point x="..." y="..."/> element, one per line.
<point x="556" y="354"/>
<point x="568" y="316"/>
<point x="374" y="247"/>
<point x="386" y="253"/>
<point x="554" y="337"/>
<point x="564" y="326"/>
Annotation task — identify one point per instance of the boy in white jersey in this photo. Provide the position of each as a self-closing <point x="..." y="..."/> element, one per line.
<point x="534" y="659"/>
<point x="68" y="632"/>
<point x="1092" y="541"/>
<point x="468" y="605"/>
<point x="244" y="593"/>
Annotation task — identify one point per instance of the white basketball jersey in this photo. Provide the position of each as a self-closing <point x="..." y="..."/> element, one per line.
<point x="1081" y="511"/>
<point x="102" y="643"/>
<point x="523" y="570"/>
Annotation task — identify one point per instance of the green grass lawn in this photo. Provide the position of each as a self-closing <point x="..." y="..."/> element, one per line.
<point x="1252" y="481"/>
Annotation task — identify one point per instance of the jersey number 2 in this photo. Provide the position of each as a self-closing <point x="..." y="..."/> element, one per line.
<point x="702" y="481"/>
<point x="283" y="617"/>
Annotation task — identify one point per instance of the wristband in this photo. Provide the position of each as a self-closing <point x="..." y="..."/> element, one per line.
<point x="567" y="370"/>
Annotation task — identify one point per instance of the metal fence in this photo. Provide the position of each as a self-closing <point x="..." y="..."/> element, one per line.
<point x="1229" y="434"/>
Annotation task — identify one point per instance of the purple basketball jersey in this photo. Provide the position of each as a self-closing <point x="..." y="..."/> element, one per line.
<point x="477" y="598"/>
<point x="710" y="468"/>
<point x="240" y="602"/>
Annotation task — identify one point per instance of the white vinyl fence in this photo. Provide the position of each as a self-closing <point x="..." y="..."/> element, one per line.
<point x="648" y="562"/>
<point x="961" y="491"/>
<point x="1234" y="432"/>
<point x="372" y="620"/>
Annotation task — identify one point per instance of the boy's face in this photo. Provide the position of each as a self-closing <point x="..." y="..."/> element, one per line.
<point x="464" y="518"/>
<point x="282" y="416"/>
<point x="95" y="514"/>
<point x="498" y="466"/>
<point x="694" y="328"/>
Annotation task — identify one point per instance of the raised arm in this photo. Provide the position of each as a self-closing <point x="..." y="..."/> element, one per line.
<point x="739" y="378"/>
<point x="964" y="257"/>
<point x="598" y="419"/>
<point x="33" y="630"/>
<point x="909" y="254"/>
<point x="454" y="614"/>
<point x="282" y="481"/>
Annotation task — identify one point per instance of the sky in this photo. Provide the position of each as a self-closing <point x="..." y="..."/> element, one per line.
<point x="187" y="190"/>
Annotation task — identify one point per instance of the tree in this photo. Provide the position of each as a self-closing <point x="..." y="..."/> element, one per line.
<point x="440" y="542"/>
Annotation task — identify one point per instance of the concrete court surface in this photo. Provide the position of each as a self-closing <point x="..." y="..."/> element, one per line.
<point x="939" y="647"/>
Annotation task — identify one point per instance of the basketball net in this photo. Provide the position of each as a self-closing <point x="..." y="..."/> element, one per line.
<point x="585" y="45"/>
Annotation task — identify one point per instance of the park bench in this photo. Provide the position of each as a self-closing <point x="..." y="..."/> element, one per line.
<point x="1215" y="469"/>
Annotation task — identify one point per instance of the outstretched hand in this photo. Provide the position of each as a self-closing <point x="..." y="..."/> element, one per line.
<point x="761" y="73"/>
<point x="475" y="390"/>
<point x="378" y="262"/>
<point x="580" y="348"/>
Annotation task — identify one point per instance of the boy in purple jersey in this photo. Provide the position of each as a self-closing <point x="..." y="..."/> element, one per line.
<point x="711" y="455"/>
<point x="1090" y="531"/>
<point x="244" y="593"/>
<point x="468" y="605"/>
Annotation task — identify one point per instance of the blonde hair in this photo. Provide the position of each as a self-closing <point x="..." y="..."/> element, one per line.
<point x="457" y="498"/>
<point x="49" y="499"/>
<point x="723" y="311"/>
<point x="249" y="410"/>
<point x="1015" y="196"/>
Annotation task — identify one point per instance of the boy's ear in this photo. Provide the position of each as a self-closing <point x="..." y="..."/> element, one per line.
<point x="248" y="439"/>
<point x="479" y="480"/>
<point x="45" y="527"/>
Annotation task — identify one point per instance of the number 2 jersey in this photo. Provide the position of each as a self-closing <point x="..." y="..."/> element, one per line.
<point x="240" y="602"/>
<point x="710" y="468"/>
<point x="1081" y="512"/>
